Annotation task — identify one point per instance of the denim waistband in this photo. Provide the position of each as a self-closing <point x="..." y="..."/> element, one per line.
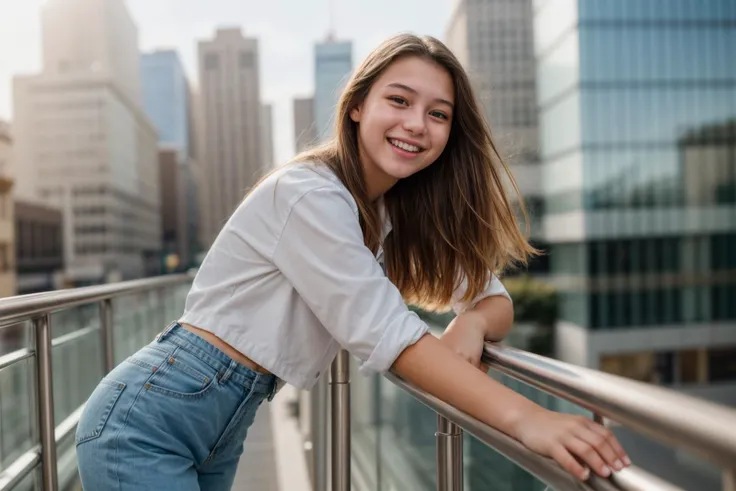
<point x="227" y="368"/>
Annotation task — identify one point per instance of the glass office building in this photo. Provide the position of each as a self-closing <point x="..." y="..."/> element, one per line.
<point x="637" y="115"/>
<point x="167" y="103"/>
<point x="333" y="65"/>
<point x="166" y="97"/>
<point x="637" y="104"/>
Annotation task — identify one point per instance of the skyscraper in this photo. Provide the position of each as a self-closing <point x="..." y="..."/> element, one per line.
<point x="637" y="145"/>
<point x="7" y="216"/>
<point x="107" y="45"/>
<point x="267" y="135"/>
<point x="333" y="65"/>
<point x="166" y="100"/>
<point x="230" y="112"/>
<point x="494" y="41"/>
<point x="165" y="91"/>
<point x="305" y="133"/>
<point x="84" y="144"/>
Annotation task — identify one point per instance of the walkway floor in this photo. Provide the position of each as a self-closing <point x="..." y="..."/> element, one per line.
<point x="273" y="459"/>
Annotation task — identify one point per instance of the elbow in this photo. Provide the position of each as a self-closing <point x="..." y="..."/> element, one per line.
<point x="499" y="314"/>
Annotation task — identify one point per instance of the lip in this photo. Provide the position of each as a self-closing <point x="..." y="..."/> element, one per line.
<point x="404" y="154"/>
<point x="410" y="142"/>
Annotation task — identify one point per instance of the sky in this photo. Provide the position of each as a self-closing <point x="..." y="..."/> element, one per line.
<point x="287" y="31"/>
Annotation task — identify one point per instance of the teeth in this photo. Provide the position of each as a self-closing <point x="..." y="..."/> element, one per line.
<point x="404" y="146"/>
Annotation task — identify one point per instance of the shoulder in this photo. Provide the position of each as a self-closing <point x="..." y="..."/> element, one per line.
<point x="296" y="184"/>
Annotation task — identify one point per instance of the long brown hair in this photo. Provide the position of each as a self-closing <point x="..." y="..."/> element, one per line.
<point x="451" y="217"/>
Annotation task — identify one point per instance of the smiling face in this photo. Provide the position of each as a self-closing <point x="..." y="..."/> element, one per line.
<point x="404" y="122"/>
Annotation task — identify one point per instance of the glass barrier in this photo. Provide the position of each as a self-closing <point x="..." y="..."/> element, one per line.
<point x="77" y="364"/>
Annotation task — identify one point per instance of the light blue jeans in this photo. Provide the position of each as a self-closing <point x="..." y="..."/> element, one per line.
<point x="173" y="416"/>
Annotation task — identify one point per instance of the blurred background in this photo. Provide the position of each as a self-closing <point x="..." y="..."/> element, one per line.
<point x="130" y="130"/>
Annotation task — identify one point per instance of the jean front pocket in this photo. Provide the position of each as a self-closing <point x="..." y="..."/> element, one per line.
<point x="179" y="374"/>
<point x="97" y="410"/>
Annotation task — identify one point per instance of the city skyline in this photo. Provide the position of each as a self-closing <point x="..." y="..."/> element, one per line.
<point x="287" y="41"/>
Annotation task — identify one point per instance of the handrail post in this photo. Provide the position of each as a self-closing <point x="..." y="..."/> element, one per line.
<point x="106" y="335"/>
<point x="318" y="409"/>
<point x="45" y="390"/>
<point x="449" y="455"/>
<point x="340" y="385"/>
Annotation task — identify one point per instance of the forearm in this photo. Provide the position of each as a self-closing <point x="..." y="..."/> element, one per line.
<point x="497" y="313"/>
<point x="434" y="368"/>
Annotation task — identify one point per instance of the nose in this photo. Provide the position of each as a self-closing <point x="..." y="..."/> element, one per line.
<point x="414" y="122"/>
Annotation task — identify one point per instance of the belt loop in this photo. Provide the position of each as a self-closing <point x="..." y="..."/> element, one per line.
<point x="274" y="387"/>
<point x="160" y="337"/>
<point x="229" y="371"/>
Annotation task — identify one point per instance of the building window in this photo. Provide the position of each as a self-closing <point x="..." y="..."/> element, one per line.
<point x="722" y="364"/>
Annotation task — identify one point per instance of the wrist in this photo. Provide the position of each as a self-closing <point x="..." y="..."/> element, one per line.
<point x="518" y="418"/>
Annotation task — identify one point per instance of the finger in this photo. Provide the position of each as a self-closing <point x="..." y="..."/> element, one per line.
<point x="613" y="441"/>
<point x="601" y="443"/>
<point x="569" y="463"/>
<point x="588" y="454"/>
<point x="484" y="367"/>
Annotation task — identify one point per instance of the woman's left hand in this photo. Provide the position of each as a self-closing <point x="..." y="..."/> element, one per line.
<point x="465" y="335"/>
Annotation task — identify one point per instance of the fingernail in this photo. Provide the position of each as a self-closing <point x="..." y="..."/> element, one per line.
<point x="586" y="475"/>
<point x="618" y="465"/>
<point x="627" y="461"/>
<point x="605" y="471"/>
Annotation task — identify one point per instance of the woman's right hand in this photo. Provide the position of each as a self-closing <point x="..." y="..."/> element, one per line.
<point x="570" y="440"/>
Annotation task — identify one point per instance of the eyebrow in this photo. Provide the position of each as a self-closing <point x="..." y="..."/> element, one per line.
<point x="409" y="89"/>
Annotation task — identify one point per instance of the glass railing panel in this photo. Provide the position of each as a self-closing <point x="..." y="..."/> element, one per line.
<point x="18" y="424"/>
<point x="76" y="357"/>
<point x="393" y="441"/>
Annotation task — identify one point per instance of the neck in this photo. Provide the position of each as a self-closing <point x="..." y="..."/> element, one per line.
<point x="377" y="182"/>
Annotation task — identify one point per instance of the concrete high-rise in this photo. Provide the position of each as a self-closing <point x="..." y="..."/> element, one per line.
<point x="84" y="144"/>
<point x="333" y="65"/>
<point x="494" y="40"/>
<point x="305" y="134"/>
<point x="107" y="45"/>
<point x="7" y="214"/>
<point x="230" y="110"/>
<point x="267" y="135"/>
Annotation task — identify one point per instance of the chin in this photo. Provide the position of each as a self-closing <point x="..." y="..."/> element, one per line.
<point x="402" y="170"/>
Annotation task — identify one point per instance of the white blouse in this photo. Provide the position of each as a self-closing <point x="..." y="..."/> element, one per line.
<point x="288" y="281"/>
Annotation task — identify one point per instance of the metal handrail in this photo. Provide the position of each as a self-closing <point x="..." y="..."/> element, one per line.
<point x="696" y="425"/>
<point x="670" y="417"/>
<point x="14" y="310"/>
<point x="545" y="469"/>
<point x="38" y="307"/>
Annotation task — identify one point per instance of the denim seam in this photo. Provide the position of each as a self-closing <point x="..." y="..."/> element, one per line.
<point x="241" y="413"/>
<point x="116" y="464"/>
<point x="224" y="439"/>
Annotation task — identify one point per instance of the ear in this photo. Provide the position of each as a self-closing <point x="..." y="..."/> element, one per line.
<point x="355" y="113"/>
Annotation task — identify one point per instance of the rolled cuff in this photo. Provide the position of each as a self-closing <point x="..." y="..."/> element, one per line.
<point x="395" y="339"/>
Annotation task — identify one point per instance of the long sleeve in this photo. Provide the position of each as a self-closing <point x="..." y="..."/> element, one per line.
<point x="321" y="252"/>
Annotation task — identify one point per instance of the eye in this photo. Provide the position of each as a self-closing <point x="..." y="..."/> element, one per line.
<point x="439" y="114"/>
<point x="398" y="100"/>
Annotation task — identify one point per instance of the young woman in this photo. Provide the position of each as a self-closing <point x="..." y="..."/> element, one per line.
<point x="406" y="204"/>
